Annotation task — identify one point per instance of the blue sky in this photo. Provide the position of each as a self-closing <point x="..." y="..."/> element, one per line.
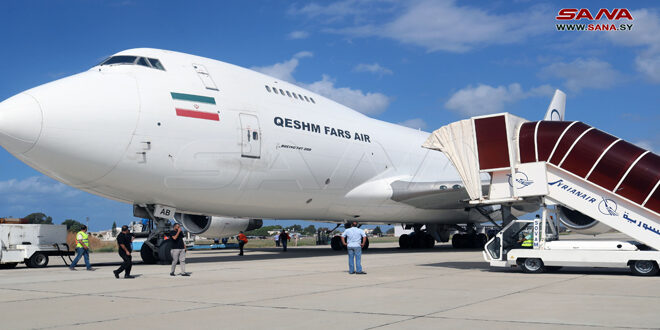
<point x="421" y="63"/>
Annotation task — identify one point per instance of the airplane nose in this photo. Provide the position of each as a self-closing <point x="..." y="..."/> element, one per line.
<point x="20" y="123"/>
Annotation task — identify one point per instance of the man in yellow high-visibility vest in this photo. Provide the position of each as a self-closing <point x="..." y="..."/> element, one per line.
<point x="82" y="248"/>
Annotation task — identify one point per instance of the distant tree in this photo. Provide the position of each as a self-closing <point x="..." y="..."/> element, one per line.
<point x="114" y="229"/>
<point x="39" y="218"/>
<point x="296" y="228"/>
<point x="377" y="231"/>
<point x="390" y="231"/>
<point x="72" y="225"/>
<point x="263" y="231"/>
<point x="310" y="230"/>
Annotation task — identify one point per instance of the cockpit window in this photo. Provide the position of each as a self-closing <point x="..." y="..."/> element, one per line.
<point x="156" y="64"/>
<point x="132" y="60"/>
<point x="121" y="59"/>
<point x="142" y="61"/>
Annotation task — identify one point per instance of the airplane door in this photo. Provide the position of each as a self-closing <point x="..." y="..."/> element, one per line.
<point x="251" y="136"/>
<point x="204" y="75"/>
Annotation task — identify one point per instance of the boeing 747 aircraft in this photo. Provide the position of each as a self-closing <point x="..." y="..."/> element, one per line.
<point x="219" y="147"/>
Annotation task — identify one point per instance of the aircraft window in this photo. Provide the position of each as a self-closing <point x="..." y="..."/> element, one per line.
<point x="275" y="90"/>
<point x="456" y="186"/>
<point x="287" y="93"/>
<point x="312" y="100"/>
<point x="300" y="96"/>
<point x="156" y="64"/>
<point x="255" y="136"/>
<point x="294" y="96"/>
<point x="122" y="59"/>
<point x="268" y="89"/>
<point x="142" y="61"/>
<point x="282" y="92"/>
<point x="306" y="99"/>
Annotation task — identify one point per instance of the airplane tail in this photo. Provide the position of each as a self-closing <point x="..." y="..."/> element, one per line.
<point x="557" y="107"/>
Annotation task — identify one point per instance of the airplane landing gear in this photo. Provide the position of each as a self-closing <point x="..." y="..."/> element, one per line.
<point x="155" y="249"/>
<point x="469" y="239"/>
<point x="336" y="245"/>
<point x="418" y="239"/>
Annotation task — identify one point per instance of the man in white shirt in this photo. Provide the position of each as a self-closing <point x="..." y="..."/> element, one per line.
<point x="354" y="239"/>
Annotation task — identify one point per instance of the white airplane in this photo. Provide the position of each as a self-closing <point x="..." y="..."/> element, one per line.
<point x="219" y="147"/>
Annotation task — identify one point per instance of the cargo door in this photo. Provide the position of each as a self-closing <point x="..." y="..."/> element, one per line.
<point x="251" y="136"/>
<point x="206" y="78"/>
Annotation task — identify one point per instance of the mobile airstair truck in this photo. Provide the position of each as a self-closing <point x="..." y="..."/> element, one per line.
<point x="590" y="177"/>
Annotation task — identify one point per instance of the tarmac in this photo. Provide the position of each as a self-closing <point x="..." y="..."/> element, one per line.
<point x="309" y="287"/>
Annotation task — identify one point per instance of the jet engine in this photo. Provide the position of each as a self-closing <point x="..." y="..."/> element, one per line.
<point x="580" y="223"/>
<point x="216" y="227"/>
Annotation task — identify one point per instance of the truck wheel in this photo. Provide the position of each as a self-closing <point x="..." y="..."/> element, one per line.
<point x="644" y="267"/>
<point x="37" y="260"/>
<point x="531" y="265"/>
<point x="8" y="265"/>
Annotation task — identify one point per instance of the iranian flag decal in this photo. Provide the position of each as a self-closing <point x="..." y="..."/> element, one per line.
<point x="195" y="106"/>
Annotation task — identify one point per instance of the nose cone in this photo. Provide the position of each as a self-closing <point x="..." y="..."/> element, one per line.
<point x="20" y="123"/>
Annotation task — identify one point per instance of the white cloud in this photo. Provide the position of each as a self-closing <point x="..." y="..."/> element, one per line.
<point x="298" y="35"/>
<point x="372" y="68"/>
<point x="367" y="103"/>
<point x="33" y="189"/>
<point x="416" y="123"/>
<point x="284" y="70"/>
<point x="644" y="34"/>
<point x="446" y="26"/>
<point x="581" y="73"/>
<point x="485" y="99"/>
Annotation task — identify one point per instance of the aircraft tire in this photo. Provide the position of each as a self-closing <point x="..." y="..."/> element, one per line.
<point x="458" y="241"/>
<point x="404" y="241"/>
<point x="165" y="252"/>
<point x="481" y="240"/>
<point x="335" y="243"/>
<point x="147" y="255"/>
<point x="429" y="241"/>
<point x="366" y="244"/>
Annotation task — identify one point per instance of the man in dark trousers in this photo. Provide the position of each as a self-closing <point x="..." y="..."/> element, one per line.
<point x="178" y="250"/>
<point x="284" y="238"/>
<point x="242" y="240"/>
<point x="125" y="243"/>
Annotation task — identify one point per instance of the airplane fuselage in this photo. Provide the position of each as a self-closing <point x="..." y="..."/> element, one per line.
<point x="207" y="137"/>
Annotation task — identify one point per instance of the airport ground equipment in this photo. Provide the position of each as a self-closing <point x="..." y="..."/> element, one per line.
<point x="548" y="253"/>
<point x="592" y="179"/>
<point x="31" y="244"/>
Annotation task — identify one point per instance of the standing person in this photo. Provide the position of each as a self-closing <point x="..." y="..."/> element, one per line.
<point x="82" y="249"/>
<point x="284" y="238"/>
<point x="242" y="240"/>
<point x="178" y="250"/>
<point x="295" y="239"/>
<point x="356" y="239"/>
<point x="125" y="244"/>
<point x="277" y="240"/>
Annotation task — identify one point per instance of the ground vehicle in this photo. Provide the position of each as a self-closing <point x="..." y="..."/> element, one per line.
<point x="31" y="244"/>
<point x="549" y="253"/>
